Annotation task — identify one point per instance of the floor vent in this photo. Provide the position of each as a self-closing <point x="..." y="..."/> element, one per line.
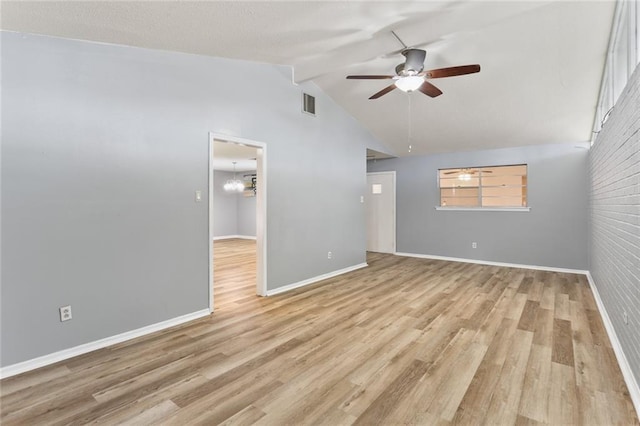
<point x="308" y="104"/>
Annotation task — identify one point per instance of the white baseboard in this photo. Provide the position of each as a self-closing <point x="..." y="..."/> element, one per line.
<point x="32" y="364"/>
<point x="229" y="237"/>
<point x="488" y="262"/>
<point x="623" y="362"/>
<point x="315" y="279"/>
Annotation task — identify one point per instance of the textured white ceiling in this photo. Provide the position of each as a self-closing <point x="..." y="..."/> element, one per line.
<point x="541" y="61"/>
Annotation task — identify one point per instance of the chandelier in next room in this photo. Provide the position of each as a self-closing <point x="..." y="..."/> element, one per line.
<point x="234" y="185"/>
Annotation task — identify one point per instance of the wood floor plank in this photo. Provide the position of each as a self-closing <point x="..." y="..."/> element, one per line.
<point x="216" y="408"/>
<point x="562" y="306"/>
<point x="388" y="401"/>
<point x="562" y="342"/>
<point x="248" y="416"/>
<point x="403" y="341"/>
<point x="610" y="370"/>
<point x="580" y="324"/>
<point x="152" y="415"/>
<point x="525" y="285"/>
<point x="503" y="408"/>
<point x="543" y="329"/>
<point x="515" y="309"/>
<point x="493" y="322"/>
<point x="450" y="392"/>
<point x="154" y="402"/>
<point x="535" y="390"/>
<point x="324" y="398"/>
<point x="598" y="332"/>
<point x="34" y="378"/>
<point x="525" y="421"/>
<point x="437" y="392"/>
<point x="563" y="402"/>
<point x="363" y="396"/>
<point x="547" y="301"/>
<point x="528" y="317"/>
<point x="235" y="373"/>
<point x="478" y="394"/>
<point x="537" y="288"/>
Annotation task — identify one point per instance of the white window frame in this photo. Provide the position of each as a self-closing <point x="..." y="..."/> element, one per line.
<point x="626" y="18"/>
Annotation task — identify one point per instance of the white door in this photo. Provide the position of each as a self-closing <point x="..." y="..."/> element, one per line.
<point x="380" y="205"/>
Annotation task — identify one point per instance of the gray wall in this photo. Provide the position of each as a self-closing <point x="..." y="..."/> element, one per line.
<point x="225" y="206"/>
<point x="103" y="147"/>
<point x="614" y="243"/>
<point x="553" y="233"/>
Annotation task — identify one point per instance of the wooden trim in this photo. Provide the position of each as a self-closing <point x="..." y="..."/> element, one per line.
<point x="32" y="364"/>
<point x="623" y="362"/>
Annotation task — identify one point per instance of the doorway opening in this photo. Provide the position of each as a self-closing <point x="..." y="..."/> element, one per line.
<point x="380" y="207"/>
<point x="237" y="219"/>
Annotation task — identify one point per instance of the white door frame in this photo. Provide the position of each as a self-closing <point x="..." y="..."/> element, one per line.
<point x="393" y="179"/>
<point x="261" y="211"/>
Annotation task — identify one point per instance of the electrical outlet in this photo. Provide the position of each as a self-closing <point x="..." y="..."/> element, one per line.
<point x="474" y="245"/>
<point x="625" y="317"/>
<point x="329" y="254"/>
<point x="65" y="313"/>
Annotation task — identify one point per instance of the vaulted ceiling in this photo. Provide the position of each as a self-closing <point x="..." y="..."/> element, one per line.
<point x="542" y="61"/>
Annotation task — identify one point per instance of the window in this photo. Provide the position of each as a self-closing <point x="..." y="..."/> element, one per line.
<point x="623" y="55"/>
<point x="484" y="187"/>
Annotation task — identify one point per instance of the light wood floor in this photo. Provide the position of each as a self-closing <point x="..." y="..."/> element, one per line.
<point x="402" y="341"/>
<point x="234" y="273"/>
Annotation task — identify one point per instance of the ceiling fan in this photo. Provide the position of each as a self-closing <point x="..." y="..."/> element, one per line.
<point x="468" y="171"/>
<point x="410" y="75"/>
<point x="466" y="174"/>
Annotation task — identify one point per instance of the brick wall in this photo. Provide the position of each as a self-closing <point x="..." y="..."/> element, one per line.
<point x="614" y="240"/>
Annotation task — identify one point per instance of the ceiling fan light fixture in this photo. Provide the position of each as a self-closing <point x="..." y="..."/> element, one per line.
<point x="409" y="83"/>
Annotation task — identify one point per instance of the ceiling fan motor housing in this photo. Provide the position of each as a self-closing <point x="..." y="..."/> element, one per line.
<point x="414" y="63"/>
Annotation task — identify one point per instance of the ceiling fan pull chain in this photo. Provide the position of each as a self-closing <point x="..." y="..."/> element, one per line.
<point x="409" y="123"/>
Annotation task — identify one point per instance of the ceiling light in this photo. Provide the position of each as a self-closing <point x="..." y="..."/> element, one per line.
<point x="409" y="83"/>
<point x="234" y="185"/>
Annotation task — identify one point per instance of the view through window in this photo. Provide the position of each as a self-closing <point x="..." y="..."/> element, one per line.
<point x="491" y="187"/>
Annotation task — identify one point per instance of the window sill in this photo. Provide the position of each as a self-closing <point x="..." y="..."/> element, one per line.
<point x="485" y="209"/>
